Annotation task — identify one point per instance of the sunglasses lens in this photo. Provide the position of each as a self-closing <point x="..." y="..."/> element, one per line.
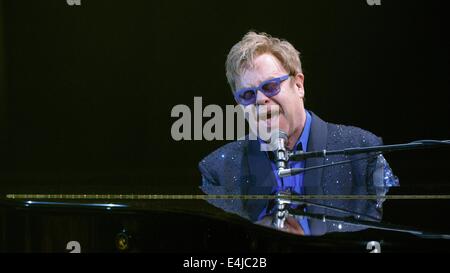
<point x="247" y="97"/>
<point x="271" y="88"/>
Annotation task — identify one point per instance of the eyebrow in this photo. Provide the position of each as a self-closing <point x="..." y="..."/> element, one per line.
<point x="272" y="76"/>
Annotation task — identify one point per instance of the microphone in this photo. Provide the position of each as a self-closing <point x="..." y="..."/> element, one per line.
<point x="280" y="151"/>
<point x="281" y="158"/>
<point x="300" y="155"/>
<point x="375" y="150"/>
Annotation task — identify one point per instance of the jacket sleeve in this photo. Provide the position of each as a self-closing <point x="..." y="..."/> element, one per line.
<point x="207" y="177"/>
<point x="379" y="179"/>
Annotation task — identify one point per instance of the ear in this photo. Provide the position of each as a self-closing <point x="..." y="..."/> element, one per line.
<point x="299" y="79"/>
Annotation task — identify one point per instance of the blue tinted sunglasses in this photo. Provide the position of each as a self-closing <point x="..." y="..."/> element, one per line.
<point x="270" y="88"/>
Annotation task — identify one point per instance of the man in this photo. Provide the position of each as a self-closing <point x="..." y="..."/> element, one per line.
<point x="266" y="72"/>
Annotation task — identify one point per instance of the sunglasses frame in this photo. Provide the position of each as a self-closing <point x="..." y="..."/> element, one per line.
<point x="277" y="80"/>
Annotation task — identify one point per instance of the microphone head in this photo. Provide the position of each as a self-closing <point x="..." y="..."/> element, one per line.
<point x="280" y="139"/>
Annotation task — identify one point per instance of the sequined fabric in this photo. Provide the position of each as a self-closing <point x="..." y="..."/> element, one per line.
<point x="227" y="171"/>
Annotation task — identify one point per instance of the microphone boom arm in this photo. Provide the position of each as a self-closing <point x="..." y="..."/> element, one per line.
<point x="300" y="155"/>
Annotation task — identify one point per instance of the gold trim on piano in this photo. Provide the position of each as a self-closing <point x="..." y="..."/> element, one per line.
<point x="212" y="196"/>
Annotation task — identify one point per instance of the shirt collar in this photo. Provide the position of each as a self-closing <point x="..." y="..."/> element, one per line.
<point x="304" y="137"/>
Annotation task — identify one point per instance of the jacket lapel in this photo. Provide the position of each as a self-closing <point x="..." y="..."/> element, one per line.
<point x="262" y="179"/>
<point x="312" y="180"/>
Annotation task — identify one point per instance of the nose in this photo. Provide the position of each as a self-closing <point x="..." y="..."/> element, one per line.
<point x="261" y="99"/>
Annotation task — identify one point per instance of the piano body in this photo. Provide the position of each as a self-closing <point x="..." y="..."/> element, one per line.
<point x="148" y="226"/>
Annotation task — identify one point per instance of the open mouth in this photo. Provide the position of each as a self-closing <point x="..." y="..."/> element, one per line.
<point x="268" y="115"/>
<point x="269" y="119"/>
<point x="264" y="115"/>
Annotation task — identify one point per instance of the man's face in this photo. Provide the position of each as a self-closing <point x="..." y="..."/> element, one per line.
<point x="291" y="116"/>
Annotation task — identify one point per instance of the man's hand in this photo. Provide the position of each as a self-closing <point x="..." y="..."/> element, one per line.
<point x="290" y="225"/>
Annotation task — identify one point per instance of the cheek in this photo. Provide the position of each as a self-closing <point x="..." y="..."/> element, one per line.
<point x="284" y="105"/>
<point x="250" y="113"/>
<point x="284" y="123"/>
<point x="287" y="118"/>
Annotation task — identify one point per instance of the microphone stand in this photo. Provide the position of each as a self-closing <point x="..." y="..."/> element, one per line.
<point x="300" y="155"/>
<point x="283" y="208"/>
<point x="283" y="202"/>
<point x="369" y="224"/>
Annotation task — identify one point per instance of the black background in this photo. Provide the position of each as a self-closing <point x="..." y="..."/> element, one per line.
<point x="87" y="91"/>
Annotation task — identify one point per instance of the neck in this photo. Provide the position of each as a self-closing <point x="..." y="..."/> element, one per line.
<point x="294" y="136"/>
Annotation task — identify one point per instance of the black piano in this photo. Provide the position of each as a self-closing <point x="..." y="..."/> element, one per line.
<point x="64" y="226"/>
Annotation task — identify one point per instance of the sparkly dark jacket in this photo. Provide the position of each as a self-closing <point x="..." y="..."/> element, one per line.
<point x="241" y="168"/>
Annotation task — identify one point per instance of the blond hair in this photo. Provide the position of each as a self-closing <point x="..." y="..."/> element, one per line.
<point x="254" y="44"/>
